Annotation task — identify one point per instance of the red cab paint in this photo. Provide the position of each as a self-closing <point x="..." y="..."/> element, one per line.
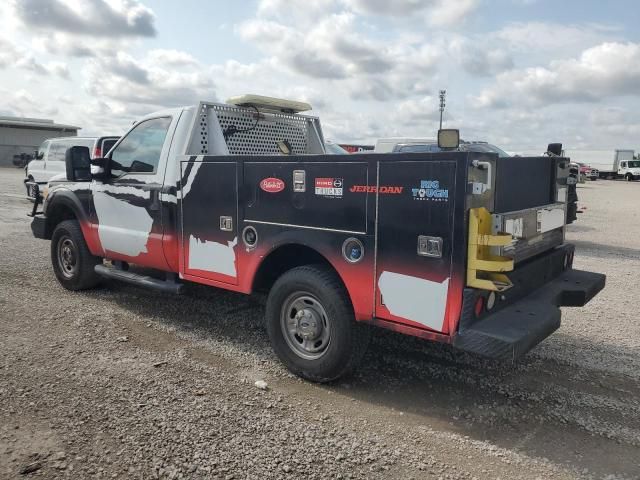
<point x="272" y="185"/>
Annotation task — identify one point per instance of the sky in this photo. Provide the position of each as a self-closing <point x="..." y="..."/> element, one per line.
<point x="518" y="73"/>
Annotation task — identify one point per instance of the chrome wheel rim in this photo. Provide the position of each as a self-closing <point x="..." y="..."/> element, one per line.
<point x="305" y="326"/>
<point x="67" y="257"/>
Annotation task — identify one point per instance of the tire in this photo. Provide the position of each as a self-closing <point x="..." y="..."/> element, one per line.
<point x="334" y="344"/>
<point x="629" y="177"/>
<point x="71" y="259"/>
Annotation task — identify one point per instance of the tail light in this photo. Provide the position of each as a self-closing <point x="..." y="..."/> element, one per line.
<point x="97" y="152"/>
<point x="477" y="308"/>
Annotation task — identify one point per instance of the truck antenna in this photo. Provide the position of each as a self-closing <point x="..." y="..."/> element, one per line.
<point x="443" y="95"/>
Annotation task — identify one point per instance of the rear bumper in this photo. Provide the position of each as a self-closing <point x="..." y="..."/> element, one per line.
<point x="514" y="330"/>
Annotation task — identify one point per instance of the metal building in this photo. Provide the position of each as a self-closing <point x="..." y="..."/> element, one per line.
<point x="24" y="135"/>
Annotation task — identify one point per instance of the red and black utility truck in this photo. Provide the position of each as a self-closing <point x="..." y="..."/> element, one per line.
<point x="454" y="247"/>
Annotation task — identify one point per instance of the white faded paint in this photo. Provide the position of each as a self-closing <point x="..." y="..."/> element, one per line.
<point x="551" y="218"/>
<point x="562" y="195"/>
<point x="213" y="256"/>
<point x="96" y="170"/>
<point x="415" y="299"/>
<point x="122" y="228"/>
<point x="186" y="188"/>
<point x="120" y="190"/>
<point x="167" y="197"/>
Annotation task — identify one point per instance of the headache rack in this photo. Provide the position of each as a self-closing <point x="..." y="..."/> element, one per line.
<point x="257" y="132"/>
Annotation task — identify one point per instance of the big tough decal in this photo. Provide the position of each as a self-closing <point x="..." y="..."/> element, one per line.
<point x="430" y="190"/>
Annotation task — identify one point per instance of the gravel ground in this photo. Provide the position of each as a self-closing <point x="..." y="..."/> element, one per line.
<point x="122" y="382"/>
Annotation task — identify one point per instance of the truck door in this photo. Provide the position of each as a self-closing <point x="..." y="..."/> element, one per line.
<point x="414" y="242"/>
<point x="210" y="221"/>
<point x="127" y="208"/>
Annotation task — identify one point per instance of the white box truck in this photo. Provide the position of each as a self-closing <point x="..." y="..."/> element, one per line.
<point x="620" y="165"/>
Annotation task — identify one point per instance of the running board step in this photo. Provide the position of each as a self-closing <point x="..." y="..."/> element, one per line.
<point x="139" y="280"/>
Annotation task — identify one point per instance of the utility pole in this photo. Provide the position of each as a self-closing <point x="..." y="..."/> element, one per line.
<point x="443" y="94"/>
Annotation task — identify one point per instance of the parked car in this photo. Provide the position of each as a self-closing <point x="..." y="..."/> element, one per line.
<point x="334" y="149"/>
<point x="432" y="147"/>
<point x="588" y="172"/>
<point x="386" y="145"/>
<point x="49" y="158"/>
<point x="21" y="160"/>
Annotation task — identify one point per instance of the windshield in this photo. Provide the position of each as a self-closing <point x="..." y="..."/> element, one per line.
<point x="41" y="150"/>
<point x="483" y="147"/>
<point x="334" y="149"/>
<point x="634" y="164"/>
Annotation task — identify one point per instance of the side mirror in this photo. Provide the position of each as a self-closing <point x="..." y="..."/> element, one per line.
<point x="77" y="161"/>
<point x="555" y="149"/>
<point x="448" y="139"/>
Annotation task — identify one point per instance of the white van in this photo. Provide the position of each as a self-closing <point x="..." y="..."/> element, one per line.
<point x="49" y="159"/>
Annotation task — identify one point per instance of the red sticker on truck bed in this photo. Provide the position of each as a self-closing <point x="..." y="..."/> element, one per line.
<point x="272" y="185"/>
<point x="329" y="187"/>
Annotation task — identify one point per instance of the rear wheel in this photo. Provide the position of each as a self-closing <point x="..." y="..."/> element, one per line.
<point x="311" y="324"/>
<point x="71" y="259"/>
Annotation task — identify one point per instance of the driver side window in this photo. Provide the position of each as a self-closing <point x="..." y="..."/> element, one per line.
<point x="140" y="150"/>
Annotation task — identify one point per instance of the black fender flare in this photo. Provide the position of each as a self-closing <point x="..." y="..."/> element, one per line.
<point x="59" y="200"/>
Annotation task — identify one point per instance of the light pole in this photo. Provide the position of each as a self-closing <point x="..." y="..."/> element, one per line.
<point x="443" y="94"/>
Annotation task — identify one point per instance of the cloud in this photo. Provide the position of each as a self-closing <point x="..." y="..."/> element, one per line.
<point x="330" y="49"/>
<point x="446" y="13"/>
<point x="13" y="56"/>
<point x="24" y="104"/>
<point x="93" y="18"/>
<point x="545" y="37"/>
<point x="126" y="67"/>
<point x="29" y="63"/>
<point x="440" y="13"/>
<point x="58" y="68"/>
<point x="171" y="57"/>
<point x="8" y="53"/>
<point x="147" y="84"/>
<point x="66" y="45"/>
<point x="398" y="8"/>
<point x="479" y="57"/>
<point x="607" y="70"/>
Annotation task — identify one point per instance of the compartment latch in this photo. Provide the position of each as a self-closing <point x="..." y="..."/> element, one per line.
<point x="429" y="246"/>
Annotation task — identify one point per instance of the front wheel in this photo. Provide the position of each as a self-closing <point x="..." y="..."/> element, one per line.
<point x="311" y="324"/>
<point x="71" y="259"/>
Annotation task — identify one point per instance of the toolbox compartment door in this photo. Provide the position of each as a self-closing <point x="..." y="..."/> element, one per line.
<point x="210" y="221"/>
<point x="323" y="201"/>
<point x="412" y="287"/>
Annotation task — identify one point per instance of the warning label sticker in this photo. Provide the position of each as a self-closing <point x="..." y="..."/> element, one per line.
<point x="329" y="187"/>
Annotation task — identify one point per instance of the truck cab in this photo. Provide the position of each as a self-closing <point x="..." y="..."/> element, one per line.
<point x="629" y="170"/>
<point x="452" y="246"/>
